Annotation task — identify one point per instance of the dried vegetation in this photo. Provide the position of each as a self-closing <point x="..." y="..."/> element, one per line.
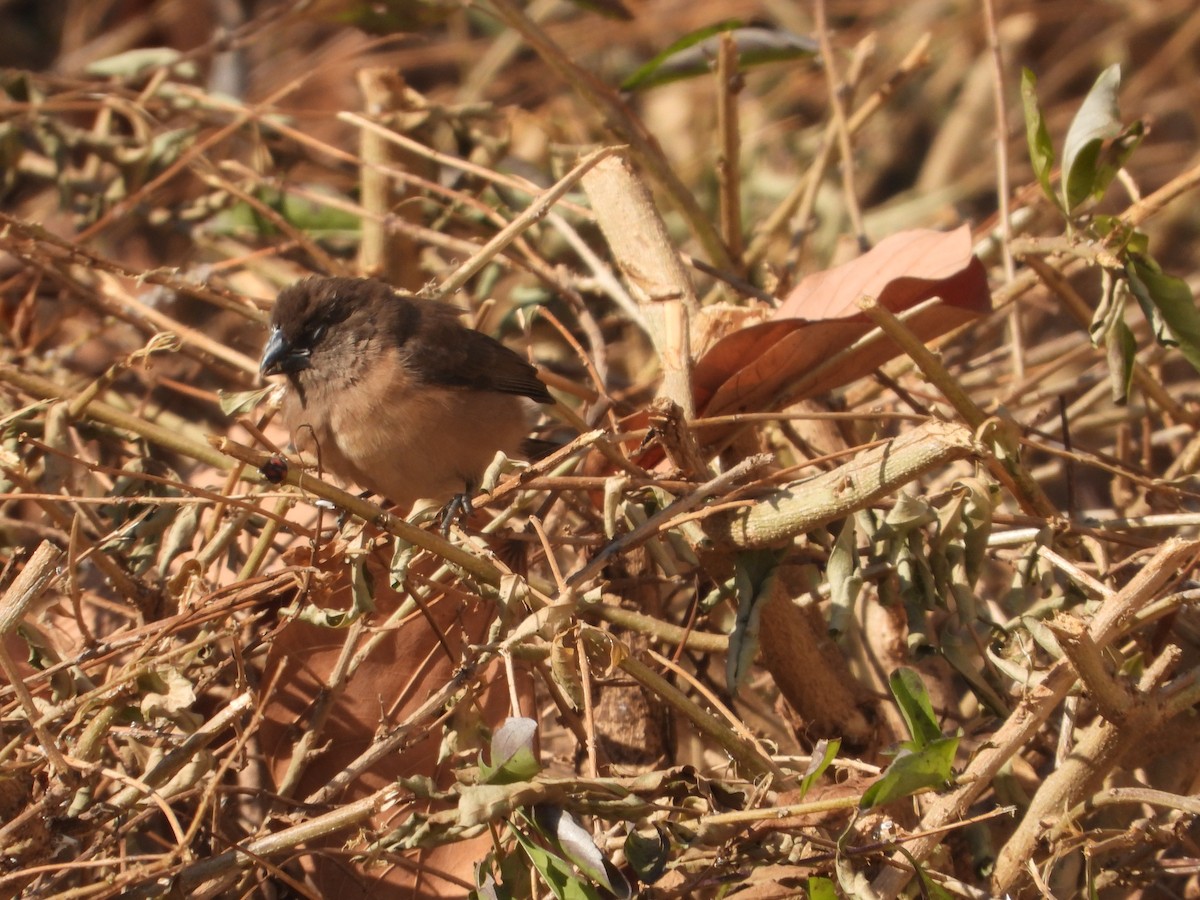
<point x="782" y="537"/>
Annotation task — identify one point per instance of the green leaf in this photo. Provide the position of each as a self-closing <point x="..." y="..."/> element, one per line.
<point x="1158" y="325"/>
<point x="926" y="760"/>
<point x="1096" y="121"/>
<point x="516" y="876"/>
<point x="752" y="575"/>
<point x="1109" y="301"/>
<point x="647" y="854"/>
<point x="1172" y="299"/>
<point x="930" y="889"/>
<point x="912" y="698"/>
<point x="822" y="889"/>
<point x="977" y="524"/>
<point x="1108" y="329"/>
<point x="913" y="771"/>
<point x="962" y="654"/>
<point x="822" y="756"/>
<point x="918" y="591"/>
<point x="1041" y="151"/>
<point x="488" y="890"/>
<point x="577" y="846"/>
<point x="560" y="878"/>
<point x="512" y="757"/>
<point x="311" y="215"/>
<point x="694" y="53"/>
<point x="1122" y="352"/>
<point x="845" y="579"/>
<point x="134" y="64"/>
<point x="650" y="74"/>
<point x="1116" y="153"/>
<point x="178" y="537"/>
<point x="320" y="220"/>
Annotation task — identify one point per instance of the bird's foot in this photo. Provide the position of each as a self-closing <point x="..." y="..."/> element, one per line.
<point x="456" y="510"/>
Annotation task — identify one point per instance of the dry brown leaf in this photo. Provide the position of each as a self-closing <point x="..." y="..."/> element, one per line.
<point x="405" y="666"/>
<point x="752" y="368"/>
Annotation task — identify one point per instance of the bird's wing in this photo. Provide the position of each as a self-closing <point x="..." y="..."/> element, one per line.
<point x="457" y="356"/>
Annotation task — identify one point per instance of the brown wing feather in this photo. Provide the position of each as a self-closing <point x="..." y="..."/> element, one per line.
<point x="441" y="350"/>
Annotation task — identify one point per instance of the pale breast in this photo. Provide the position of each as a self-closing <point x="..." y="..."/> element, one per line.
<point x="433" y="443"/>
<point x="401" y="440"/>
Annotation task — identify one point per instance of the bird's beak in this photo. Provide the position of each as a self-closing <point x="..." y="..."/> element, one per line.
<point x="280" y="357"/>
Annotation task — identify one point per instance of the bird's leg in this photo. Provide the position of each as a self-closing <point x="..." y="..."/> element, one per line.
<point x="458" y="508"/>
<point x="344" y="514"/>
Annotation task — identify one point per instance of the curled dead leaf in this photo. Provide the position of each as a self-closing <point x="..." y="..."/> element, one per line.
<point x="806" y="348"/>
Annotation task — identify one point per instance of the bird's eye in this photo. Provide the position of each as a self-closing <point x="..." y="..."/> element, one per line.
<point x="316" y="334"/>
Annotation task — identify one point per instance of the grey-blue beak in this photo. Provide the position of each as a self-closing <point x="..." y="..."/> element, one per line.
<point x="280" y="357"/>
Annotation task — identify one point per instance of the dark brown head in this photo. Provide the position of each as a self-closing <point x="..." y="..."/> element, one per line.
<point x="320" y="318"/>
<point x="338" y="326"/>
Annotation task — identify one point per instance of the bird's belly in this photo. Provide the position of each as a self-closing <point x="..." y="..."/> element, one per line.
<point x="427" y="443"/>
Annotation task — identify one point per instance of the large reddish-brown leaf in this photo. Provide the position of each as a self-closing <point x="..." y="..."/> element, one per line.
<point x="400" y="669"/>
<point x="751" y="369"/>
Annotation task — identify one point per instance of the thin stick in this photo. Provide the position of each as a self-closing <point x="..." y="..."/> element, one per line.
<point x="1016" y="338"/>
<point x="1175" y="557"/>
<point x="534" y="213"/>
<point x="729" y="168"/>
<point x="837" y="110"/>
<point x="29" y="585"/>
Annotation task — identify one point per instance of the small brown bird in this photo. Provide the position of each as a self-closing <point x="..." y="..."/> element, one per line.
<point x="395" y="392"/>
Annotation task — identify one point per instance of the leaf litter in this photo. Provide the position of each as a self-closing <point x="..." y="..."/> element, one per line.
<point x="213" y="686"/>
